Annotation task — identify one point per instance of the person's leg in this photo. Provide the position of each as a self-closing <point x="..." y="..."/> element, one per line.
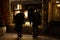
<point x="33" y="31"/>
<point x="21" y="31"/>
<point x="18" y="32"/>
<point x="36" y="33"/>
<point x="17" y="29"/>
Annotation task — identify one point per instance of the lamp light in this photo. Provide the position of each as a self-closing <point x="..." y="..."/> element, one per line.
<point x="58" y="5"/>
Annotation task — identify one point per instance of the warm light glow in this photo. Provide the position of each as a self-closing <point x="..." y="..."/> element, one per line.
<point x="16" y="12"/>
<point x="57" y="1"/>
<point x="18" y="6"/>
<point x="34" y="10"/>
<point x="58" y="5"/>
<point x="26" y="14"/>
<point x="27" y="23"/>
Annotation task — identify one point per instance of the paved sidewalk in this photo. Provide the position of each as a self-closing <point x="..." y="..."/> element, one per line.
<point x="11" y="36"/>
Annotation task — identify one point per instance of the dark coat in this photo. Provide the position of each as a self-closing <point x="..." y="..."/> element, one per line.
<point x="35" y="17"/>
<point x="19" y="19"/>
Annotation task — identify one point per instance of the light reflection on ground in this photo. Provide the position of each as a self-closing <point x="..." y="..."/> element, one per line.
<point x="11" y="36"/>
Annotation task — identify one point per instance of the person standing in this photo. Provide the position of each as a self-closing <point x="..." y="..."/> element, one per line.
<point x="35" y="18"/>
<point x="30" y="14"/>
<point x="19" y="19"/>
<point x="36" y="22"/>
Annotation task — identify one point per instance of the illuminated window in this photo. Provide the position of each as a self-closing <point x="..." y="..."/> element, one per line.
<point x="27" y="23"/>
<point x="26" y="14"/>
<point x="18" y="6"/>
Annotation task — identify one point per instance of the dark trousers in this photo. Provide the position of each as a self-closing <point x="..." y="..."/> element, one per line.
<point x="19" y="30"/>
<point x="35" y="30"/>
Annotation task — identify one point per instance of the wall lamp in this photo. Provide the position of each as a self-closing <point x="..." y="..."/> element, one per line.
<point x="58" y="5"/>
